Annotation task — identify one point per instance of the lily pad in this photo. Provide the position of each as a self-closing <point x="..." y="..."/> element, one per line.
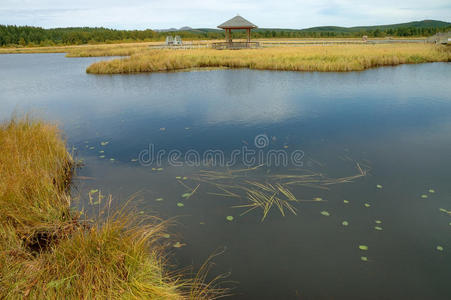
<point x="186" y="195"/>
<point x="318" y="199"/>
<point x="379" y="186"/>
<point x="364" y="258"/>
<point x="160" y="169"/>
<point x="424" y="196"/>
<point x="112" y="159"/>
<point x="93" y="191"/>
<point x="325" y="213"/>
<point x="102" y="156"/>
<point x="178" y="245"/>
<point x="378" y="228"/>
<point x="378" y="222"/>
<point x="367" y="205"/>
<point x="432" y="191"/>
<point x="229" y="218"/>
<point x="104" y="143"/>
<point x="91" y="148"/>
<point x="159" y="199"/>
<point x="185" y="178"/>
<point x="180" y="204"/>
<point x="178" y="177"/>
<point x="439" y="248"/>
<point x="346" y="201"/>
<point x="134" y="160"/>
<point x="101" y="151"/>
<point x="345" y="223"/>
<point x="363" y="247"/>
<point x="166" y="236"/>
<point x="162" y="129"/>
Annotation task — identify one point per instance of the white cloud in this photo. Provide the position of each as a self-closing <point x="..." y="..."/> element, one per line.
<point x="142" y="14"/>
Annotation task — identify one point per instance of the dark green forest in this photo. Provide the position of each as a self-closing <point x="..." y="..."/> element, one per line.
<point x="11" y="35"/>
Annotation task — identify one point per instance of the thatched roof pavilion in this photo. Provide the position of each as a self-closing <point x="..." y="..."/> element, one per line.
<point x="237" y="22"/>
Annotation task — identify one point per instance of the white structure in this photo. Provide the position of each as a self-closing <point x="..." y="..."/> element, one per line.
<point x="169" y="40"/>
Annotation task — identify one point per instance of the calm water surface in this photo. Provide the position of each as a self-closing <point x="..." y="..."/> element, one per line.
<point x="395" y="121"/>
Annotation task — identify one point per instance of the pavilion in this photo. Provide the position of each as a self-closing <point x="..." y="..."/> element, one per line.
<point x="236" y="23"/>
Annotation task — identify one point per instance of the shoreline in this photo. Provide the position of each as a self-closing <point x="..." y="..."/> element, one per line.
<point x="50" y="251"/>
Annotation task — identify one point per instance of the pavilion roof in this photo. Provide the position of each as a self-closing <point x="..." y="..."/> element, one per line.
<point x="237" y="22"/>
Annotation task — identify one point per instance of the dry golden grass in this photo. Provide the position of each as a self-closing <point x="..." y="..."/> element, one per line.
<point x="331" y="58"/>
<point x="47" y="252"/>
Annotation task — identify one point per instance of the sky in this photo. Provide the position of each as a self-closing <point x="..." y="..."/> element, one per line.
<point x="160" y="14"/>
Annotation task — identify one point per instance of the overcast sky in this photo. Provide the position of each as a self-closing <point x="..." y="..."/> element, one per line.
<point x="157" y="14"/>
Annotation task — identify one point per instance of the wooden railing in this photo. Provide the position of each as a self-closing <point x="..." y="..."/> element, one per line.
<point x="235" y="45"/>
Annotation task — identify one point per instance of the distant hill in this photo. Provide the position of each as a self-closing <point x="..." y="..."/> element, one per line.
<point x="11" y="35"/>
<point x="415" y="24"/>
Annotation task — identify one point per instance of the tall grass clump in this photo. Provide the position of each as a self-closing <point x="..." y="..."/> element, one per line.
<point x="48" y="252"/>
<point x="324" y="58"/>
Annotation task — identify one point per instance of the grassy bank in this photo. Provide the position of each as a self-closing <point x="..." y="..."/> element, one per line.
<point x="48" y="252"/>
<point x="306" y="58"/>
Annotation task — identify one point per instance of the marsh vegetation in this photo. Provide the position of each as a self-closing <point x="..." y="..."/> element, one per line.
<point x="50" y="251"/>
<point x="336" y="58"/>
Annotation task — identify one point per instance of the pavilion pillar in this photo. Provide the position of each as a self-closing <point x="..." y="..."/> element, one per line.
<point x="248" y="35"/>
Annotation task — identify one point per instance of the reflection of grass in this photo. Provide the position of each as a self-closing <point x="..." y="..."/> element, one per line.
<point x="305" y="58"/>
<point x="271" y="190"/>
<point x="47" y="252"/>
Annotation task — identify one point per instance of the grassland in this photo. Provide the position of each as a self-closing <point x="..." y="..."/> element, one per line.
<point x="49" y="252"/>
<point x="324" y="58"/>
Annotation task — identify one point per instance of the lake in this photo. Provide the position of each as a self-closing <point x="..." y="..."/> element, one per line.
<point x="181" y="143"/>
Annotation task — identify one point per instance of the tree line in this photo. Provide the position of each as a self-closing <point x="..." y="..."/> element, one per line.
<point x="11" y="35"/>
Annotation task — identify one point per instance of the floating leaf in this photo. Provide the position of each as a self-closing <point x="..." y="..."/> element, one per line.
<point x="318" y="199"/>
<point x="141" y="212"/>
<point x="439" y="248"/>
<point x="367" y="205"/>
<point x="134" y="160"/>
<point x="93" y="191"/>
<point x="102" y="156"/>
<point x="178" y="245"/>
<point x="325" y="213"/>
<point x="112" y="159"/>
<point x="160" y="169"/>
<point x="185" y="178"/>
<point x="379" y="186"/>
<point x="432" y="191"/>
<point x="162" y="129"/>
<point x="229" y="218"/>
<point x="378" y="222"/>
<point x="187" y="128"/>
<point x="101" y="151"/>
<point x="166" y="236"/>
<point x="104" y="143"/>
<point x="345" y="223"/>
<point x="346" y="201"/>
<point x="202" y="223"/>
<point x="96" y="203"/>
<point x="378" y="228"/>
<point x="363" y="247"/>
<point x="364" y="258"/>
<point x="180" y="204"/>
<point x="286" y="147"/>
<point x="91" y="148"/>
<point x="424" y="196"/>
<point x="186" y="195"/>
<point x="159" y="199"/>
<point x="445" y="211"/>
<point x="178" y="177"/>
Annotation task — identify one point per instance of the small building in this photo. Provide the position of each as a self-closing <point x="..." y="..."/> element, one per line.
<point x="169" y="40"/>
<point x="178" y="40"/>
<point x="441" y="38"/>
<point x="236" y="23"/>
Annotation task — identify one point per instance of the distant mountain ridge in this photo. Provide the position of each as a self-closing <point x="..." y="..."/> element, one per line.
<point x="339" y="29"/>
